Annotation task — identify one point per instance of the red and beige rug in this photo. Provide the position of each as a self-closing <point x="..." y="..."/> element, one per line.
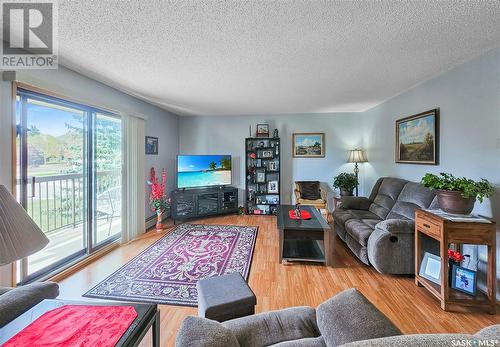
<point x="167" y="271"/>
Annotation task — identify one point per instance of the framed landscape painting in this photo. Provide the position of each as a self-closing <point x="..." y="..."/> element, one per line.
<point x="417" y="138"/>
<point x="308" y="145"/>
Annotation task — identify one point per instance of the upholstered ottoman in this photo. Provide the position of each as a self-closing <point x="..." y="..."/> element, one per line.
<point x="225" y="297"/>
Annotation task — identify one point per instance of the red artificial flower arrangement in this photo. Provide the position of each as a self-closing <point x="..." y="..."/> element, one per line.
<point x="158" y="198"/>
<point x="455" y="256"/>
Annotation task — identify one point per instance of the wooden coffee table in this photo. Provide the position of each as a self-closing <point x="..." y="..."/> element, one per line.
<point x="148" y="316"/>
<point x="304" y="240"/>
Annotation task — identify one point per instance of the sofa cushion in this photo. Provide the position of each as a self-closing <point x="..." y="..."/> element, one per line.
<point x="18" y="300"/>
<point x="308" y="342"/>
<point x="349" y="317"/>
<point x="413" y="196"/>
<point x="355" y="202"/>
<point x="309" y="190"/>
<point x="492" y="332"/>
<point x="272" y="327"/>
<point x="387" y="194"/>
<point x="361" y="229"/>
<point x="203" y="332"/>
<point x="341" y="216"/>
<point x="418" y="340"/>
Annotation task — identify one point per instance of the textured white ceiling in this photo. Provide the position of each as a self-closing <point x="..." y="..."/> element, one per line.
<point x="269" y="57"/>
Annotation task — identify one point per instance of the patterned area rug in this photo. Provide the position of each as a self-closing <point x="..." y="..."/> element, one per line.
<point x="167" y="271"/>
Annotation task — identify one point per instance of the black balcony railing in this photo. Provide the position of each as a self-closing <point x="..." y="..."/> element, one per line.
<point x="59" y="201"/>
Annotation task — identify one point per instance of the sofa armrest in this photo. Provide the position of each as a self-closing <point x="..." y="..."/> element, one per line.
<point x="397" y="226"/>
<point x="269" y="328"/>
<point x="203" y="332"/>
<point x="4" y="290"/>
<point x="349" y="316"/>
<point x="18" y="300"/>
<point x="355" y="202"/>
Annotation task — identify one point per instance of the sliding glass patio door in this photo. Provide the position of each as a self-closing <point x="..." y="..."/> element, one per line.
<point x="68" y="178"/>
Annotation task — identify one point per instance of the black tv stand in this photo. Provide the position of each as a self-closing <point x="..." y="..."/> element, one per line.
<point x="203" y="202"/>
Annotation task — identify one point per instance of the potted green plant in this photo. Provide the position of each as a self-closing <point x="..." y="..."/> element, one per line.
<point x="457" y="195"/>
<point x="346" y="182"/>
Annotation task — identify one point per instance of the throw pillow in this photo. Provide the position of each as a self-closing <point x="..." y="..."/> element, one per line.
<point x="349" y="317"/>
<point x="309" y="190"/>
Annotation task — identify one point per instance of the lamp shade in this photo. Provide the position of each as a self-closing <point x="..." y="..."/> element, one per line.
<point x="356" y="156"/>
<point x="19" y="235"/>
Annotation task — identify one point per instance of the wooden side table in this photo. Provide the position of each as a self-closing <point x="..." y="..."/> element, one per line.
<point x="447" y="233"/>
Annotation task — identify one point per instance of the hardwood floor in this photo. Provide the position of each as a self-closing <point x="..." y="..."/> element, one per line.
<point x="277" y="286"/>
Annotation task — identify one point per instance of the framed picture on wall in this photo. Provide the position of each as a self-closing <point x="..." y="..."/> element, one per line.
<point x="417" y="138"/>
<point x="308" y="145"/>
<point x="151" y="145"/>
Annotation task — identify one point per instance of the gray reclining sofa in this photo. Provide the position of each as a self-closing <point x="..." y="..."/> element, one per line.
<point x="380" y="229"/>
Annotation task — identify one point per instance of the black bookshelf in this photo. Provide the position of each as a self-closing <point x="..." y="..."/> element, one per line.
<point x="262" y="181"/>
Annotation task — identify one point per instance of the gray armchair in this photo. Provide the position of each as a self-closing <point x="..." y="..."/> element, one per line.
<point x="347" y="319"/>
<point x="333" y="323"/>
<point x="15" y="301"/>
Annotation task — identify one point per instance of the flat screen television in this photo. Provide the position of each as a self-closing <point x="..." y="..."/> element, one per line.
<point x="194" y="171"/>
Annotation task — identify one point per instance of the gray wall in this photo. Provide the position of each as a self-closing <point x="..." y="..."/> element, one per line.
<point x="66" y="82"/>
<point x="226" y="135"/>
<point x="469" y="101"/>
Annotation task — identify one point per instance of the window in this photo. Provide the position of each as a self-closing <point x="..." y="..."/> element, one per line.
<point x="68" y="177"/>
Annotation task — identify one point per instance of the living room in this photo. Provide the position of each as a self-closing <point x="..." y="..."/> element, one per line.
<point x="275" y="102"/>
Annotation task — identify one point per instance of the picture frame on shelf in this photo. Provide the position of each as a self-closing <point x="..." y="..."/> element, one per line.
<point x="417" y="138"/>
<point x="308" y="145"/>
<point x="267" y="154"/>
<point x="272" y="166"/>
<point x="151" y="144"/>
<point x="260" y="177"/>
<point x="263" y="143"/>
<point x="464" y="280"/>
<point x="430" y="268"/>
<point x="272" y="187"/>
<point x="262" y="130"/>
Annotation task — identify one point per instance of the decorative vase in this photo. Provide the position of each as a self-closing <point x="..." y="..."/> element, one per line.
<point x="345" y="192"/>
<point x="452" y="201"/>
<point x="159" y="226"/>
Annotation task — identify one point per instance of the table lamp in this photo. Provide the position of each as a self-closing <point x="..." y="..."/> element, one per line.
<point x="356" y="156"/>
<point x="19" y="234"/>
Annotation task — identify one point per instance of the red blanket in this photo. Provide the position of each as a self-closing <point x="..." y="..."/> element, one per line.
<point x="76" y="325"/>
<point x="303" y="214"/>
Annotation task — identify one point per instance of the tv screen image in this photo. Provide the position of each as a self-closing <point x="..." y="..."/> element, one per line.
<point x="203" y="170"/>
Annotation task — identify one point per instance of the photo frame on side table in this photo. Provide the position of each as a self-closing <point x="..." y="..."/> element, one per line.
<point x="464" y="280"/>
<point x="151" y="145"/>
<point x="430" y="268"/>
